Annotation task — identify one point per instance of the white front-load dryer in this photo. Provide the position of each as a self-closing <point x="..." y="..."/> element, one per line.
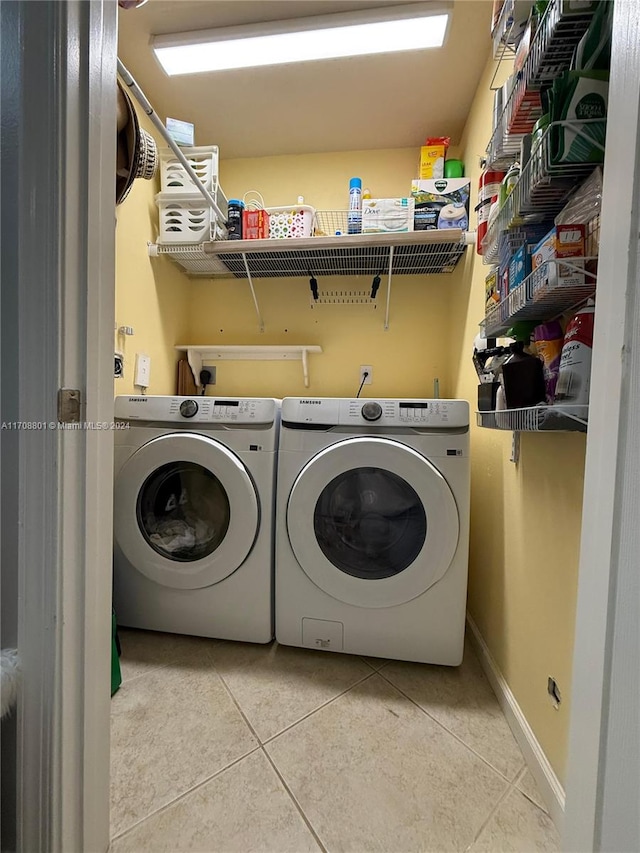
<point x="194" y="496"/>
<point x="372" y="527"/>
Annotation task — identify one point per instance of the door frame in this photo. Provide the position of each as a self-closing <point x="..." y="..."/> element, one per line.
<point x="64" y="264"/>
<point x="604" y="756"/>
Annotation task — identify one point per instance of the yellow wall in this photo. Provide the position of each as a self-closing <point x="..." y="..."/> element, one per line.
<point x="405" y="360"/>
<point x="525" y="519"/>
<point x="525" y="522"/>
<point x="152" y="294"/>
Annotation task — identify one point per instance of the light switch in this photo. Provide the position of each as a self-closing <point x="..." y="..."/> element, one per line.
<point x="142" y="373"/>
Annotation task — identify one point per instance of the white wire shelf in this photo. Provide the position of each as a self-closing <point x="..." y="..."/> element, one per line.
<point x="407" y="253"/>
<point x="544" y="185"/>
<point x="556" y="418"/>
<point x="554" y="287"/>
<point x="551" y="52"/>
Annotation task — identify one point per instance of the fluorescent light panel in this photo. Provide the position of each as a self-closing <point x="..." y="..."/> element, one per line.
<point x="419" y="27"/>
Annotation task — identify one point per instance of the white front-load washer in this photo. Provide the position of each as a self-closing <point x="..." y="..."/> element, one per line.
<point x="194" y="500"/>
<point x="372" y="527"/>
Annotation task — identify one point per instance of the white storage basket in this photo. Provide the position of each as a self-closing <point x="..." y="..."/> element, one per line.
<point x="173" y="176"/>
<point x="184" y="218"/>
<point x="293" y="221"/>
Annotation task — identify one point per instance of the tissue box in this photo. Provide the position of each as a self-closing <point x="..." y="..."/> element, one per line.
<point x="442" y="203"/>
<point x="384" y="215"/>
<point x="432" y="161"/>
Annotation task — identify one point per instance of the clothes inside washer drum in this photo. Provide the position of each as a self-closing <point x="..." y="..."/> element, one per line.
<point x="179" y="535"/>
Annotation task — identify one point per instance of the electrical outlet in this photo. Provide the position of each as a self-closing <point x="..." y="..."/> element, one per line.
<point x="366" y="368"/>
<point x="118" y="365"/>
<point x="142" y="373"/>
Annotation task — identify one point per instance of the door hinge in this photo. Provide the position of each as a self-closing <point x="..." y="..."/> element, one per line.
<point x="68" y="406"/>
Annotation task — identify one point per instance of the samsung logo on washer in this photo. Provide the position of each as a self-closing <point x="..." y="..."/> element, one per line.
<point x="138" y="399"/>
<point x="310" y="402"/>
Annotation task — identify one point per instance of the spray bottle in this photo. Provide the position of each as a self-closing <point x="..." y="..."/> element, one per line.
<point x="354" y="215"/>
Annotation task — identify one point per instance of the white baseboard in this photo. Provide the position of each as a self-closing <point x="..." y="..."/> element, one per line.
<point x="548" y="783"/>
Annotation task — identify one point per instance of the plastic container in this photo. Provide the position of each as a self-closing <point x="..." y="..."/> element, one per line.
<point x="453" y="169"/>
<point x="234" y="219"/>
<point x="488" y="187"/>
<point x="508" y="183"/>
<point x="183" y="218"/>
<point x="173" y="176"/>
<point x="522" y="378"/>
<point x="574" y="376"/>
<point x="354" y="216"/>
<point x="293" y="221"/>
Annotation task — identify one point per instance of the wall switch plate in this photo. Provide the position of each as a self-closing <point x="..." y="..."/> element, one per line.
<point x="366" y="368"/>
<point x="142" y="373"/>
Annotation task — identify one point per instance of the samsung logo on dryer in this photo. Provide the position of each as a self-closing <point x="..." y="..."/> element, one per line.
<point x="138" y="399"/>
<point x="310" y="402"/>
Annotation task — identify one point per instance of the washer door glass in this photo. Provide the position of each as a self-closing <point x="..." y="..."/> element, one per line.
<point x="370" y="523"/>
<point x="186" y="511"/>
<point x="183" y="511"/>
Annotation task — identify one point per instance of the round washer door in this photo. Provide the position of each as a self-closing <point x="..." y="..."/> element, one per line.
<point x="186" y="511"/>
<point x="372" y="522"/>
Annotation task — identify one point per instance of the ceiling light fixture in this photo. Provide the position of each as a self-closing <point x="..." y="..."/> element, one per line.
<point x="382" y="30"/>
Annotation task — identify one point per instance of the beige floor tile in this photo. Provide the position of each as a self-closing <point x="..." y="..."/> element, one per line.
<point x="462" y="700"/>
<point x="245" y="809"/>
<point x="144" y="651"/>
<point x="526" y="783"/>
<point x="518" y="826"/>
<point x="373" y="773"/>
<point x="376" y="663"/>
<point x="170" y="729"/>
<point x="278" y="685"/>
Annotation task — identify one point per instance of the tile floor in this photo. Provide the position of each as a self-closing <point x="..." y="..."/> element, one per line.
<point x="219" y="747"/>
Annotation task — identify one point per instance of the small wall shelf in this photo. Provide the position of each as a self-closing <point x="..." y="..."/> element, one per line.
<point x="198" y="356"/>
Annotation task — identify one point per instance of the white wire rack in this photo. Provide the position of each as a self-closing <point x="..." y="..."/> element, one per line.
<point x="557" y="418"/>
<point x="544" y="185"/>
<point x="552" y="47"/>
<point x="409" y="253"/>
<point x="554" y="287"/>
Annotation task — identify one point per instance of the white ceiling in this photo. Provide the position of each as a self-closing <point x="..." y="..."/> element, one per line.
<point x="390" y="100"/>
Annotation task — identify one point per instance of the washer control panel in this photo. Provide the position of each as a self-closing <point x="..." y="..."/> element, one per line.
<point x="333" y="411"/>
<point x="236" y="410"/>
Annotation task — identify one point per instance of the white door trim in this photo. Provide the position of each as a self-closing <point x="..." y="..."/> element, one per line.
<point x="597" y="775"/>
<point x="65" y="281"/>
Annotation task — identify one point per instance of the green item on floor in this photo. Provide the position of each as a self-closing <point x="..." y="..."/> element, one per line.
<point x="116" y="675"/>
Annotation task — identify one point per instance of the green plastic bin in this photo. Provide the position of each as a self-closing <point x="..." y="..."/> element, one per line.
<point x="116" y="675"/>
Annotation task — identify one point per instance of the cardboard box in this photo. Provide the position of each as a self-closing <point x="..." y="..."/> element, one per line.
<point x="563" y="241"/>
<point x="432" y="161"/>
<point x="387" y="215"/>
<point x="519" y="267"/>
<point x="442" y="203"/>
<point x="255" y="225"/>
<point x="492" y="296"/>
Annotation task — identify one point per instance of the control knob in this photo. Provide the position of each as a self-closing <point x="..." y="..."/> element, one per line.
<point x="371" y="411"/>
<point x="188" y="408"/>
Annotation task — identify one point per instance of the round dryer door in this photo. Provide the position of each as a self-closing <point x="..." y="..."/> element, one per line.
<point x="186" y="511"/>
<point x="372" y="522"/>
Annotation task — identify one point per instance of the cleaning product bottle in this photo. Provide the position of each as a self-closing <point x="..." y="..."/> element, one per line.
<point x="354" y="216"/>
<point x="574" y="375"/>
<point x="548" y="339"/>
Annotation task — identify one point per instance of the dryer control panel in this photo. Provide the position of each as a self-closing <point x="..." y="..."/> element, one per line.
<point x="335" y="411"/>
<point x="236" y="410"/>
